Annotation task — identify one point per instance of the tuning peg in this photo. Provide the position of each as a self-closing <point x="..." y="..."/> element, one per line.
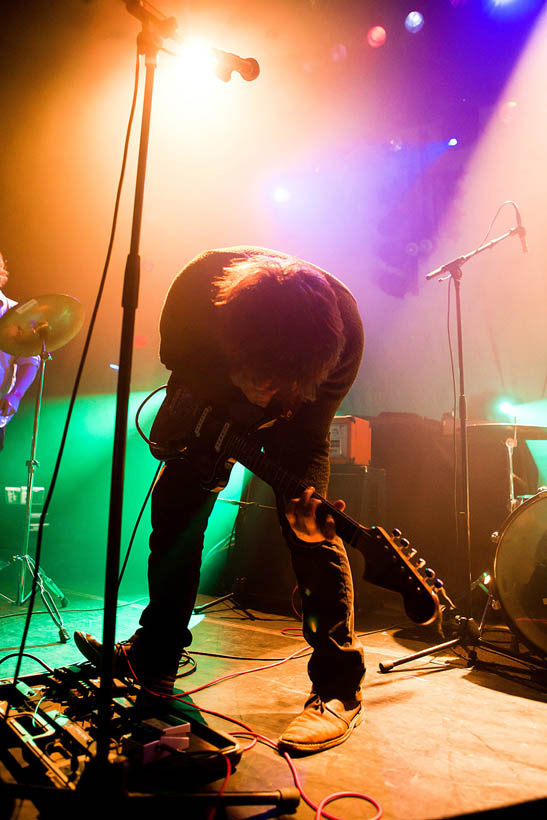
<point x="404" y="542"/>
<point x="438" y="583"/>
<point x="396" y="533"/>
<point x="421" y="563"/>
<point x="429" y="573"/>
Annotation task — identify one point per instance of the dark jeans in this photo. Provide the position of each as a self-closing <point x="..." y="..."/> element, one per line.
<point x="180" y="511"/>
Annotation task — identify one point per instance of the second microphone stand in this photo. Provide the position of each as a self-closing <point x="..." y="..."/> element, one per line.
<point x="469" y="632"/>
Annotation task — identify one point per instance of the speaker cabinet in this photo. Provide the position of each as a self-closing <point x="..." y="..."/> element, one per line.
<point x="260" y="555"/>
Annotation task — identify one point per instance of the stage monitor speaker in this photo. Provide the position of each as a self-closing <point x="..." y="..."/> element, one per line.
<point x="260" y="555"/>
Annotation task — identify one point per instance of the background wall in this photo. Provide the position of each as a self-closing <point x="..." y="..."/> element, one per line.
<point x="338" y="153"/>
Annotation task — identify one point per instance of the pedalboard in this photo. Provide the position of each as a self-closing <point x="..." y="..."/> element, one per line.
<point x="50" y="732"/>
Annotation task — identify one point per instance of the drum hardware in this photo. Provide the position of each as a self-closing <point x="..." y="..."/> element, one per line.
<point x="510" y="444"/>
<point x="36" y="328"/>
<point x="516" y="590"/>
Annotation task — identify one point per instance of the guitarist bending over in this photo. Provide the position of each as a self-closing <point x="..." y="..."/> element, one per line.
<point x="250" y="328"/>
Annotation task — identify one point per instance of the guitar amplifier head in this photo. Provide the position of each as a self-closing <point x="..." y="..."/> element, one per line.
<point x="350" y="440"/>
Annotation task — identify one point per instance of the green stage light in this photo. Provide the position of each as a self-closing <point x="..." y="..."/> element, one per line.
<point x="507" y="408"/>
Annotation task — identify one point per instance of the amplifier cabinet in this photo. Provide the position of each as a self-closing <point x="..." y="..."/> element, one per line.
<point x="260" y="555"/>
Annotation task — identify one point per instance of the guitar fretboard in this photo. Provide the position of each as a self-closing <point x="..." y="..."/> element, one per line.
<point x="285" y="483"/>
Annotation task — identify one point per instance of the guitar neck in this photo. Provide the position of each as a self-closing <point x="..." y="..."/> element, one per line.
<point x="284" y="482"/>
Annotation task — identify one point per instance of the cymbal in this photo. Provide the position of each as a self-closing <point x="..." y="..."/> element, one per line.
<point x="520" y="431"/>
<point x="54" y="319"/>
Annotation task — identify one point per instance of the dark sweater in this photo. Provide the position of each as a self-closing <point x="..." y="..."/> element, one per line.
<point x="190" y="348"/>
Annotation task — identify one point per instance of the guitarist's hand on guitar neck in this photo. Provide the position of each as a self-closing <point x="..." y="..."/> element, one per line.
<point x="302" y="516"/>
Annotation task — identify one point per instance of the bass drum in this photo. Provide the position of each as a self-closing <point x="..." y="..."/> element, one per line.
<point x="520" y="571"/>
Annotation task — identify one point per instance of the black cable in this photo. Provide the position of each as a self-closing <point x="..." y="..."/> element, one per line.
<point x="78" y="376"/>
<point x="276" y="660"/>
<point x="454" y="408"/>
<point x="186" y="660"/>
<point x="137" y="522"/>
<point x="141" y="406"/>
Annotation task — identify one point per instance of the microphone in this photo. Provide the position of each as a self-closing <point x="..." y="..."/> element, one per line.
<point x="246" y="67"/>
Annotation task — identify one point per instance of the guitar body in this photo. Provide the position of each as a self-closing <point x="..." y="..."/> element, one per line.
<point x="212" y="439"/>
<point x="187" y="428"/>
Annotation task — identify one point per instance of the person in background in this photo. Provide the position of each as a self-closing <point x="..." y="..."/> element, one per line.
<point x="16" y="372"/>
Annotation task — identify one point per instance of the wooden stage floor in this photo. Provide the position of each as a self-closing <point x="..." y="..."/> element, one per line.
<point x="440" y="739"/>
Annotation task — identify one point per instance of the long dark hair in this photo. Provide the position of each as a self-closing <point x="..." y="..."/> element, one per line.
<point x="279" y="322"/>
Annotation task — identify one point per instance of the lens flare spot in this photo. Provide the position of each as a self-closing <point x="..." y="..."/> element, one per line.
<point x="312" y="624"/>
<point x="414" y="22"/>
<point x="376" y="36"/>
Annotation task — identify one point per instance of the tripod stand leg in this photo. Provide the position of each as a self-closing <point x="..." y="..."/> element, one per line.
<point x="232" y="596"/>
<point x="387" y="667"/>
<point x="237" y="596"/>
<point x="46" y="586"/>
<point x="50" y="584"/>
<point x="199" y="609"/>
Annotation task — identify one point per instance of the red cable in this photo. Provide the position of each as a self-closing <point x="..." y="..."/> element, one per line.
<point x="325" y="800"/>
<point x="293" y="630"/>
<point x="320" y="808"/>
<point x="294" y="609"/>
<point x="245" y="672"/>
<point x="213" y="810"/>
<point x="258" y="737"/>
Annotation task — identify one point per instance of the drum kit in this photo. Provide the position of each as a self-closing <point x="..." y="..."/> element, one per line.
<point x="37" y="328"/>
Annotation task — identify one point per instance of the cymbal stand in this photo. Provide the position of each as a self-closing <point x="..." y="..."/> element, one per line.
<point x="25" y="563"/>
<point x="469" y="634"/>
<point x="510" y="444"/>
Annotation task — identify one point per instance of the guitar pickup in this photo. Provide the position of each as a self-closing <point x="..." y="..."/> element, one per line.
<point x="220" y="440"/>
<point x="201" y="421"/>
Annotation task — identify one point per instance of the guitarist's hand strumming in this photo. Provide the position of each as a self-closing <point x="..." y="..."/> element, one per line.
<point x="302" y="515"/>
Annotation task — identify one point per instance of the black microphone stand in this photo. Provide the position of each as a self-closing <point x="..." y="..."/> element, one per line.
<point x="149" y="42"/>
<point x="469" y="632"/>
<point x="103" y="776"/>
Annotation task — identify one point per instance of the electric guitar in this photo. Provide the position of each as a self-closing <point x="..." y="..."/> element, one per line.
<point x="187" y="428"/>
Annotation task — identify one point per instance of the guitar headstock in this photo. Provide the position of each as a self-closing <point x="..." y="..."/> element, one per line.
<point x="394" y="564"/>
